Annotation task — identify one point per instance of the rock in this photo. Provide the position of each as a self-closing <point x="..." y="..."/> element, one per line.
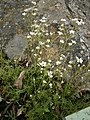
<point x="57" y="9"/>
<point x="53" y="9"/>
<point x="81" y="9"/>
<point x="16" y="47"/>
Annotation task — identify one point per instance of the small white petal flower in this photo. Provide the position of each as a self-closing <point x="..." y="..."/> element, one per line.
<point x="79" y="60"/>
<point x="63" y="20"/>
<point x="69" y="66"/>
<point x="42" y="20"/>
<point x="33" y="14"/>
<point x="37" y="47"/>
<point x="50" y="74"/>
<point x="62" y="25"/>
<point x="27" y="9"/>
<point x="40" y="52"/>
<point x="35" y="55"/>
<point x="72" y="31"/>
<point x="28" y="36"/>
<point x="61" y="58"/>
<point x="24" y="13"/>
<point x="34" y="3"/>
<point x="49" y="61"/>
<point x="61" y="41"/>
<point x="75" y="19"/>
<point x="47" y="45"/>
<point x="48" y="40"/>
<point x="60" y="33"/>
<point x="51" y="33"/>
<point x="39" y="58"/>
<point x="80" y="22"/>
<point x="63" y="55"/>
<point x="41" y="43"/>
<point x="47" y="33"/>
<point x="44" y="82"/>
<point x="70" y="62"/>
<point x="61" y="29"/>
<point x="32" y="33"/>
<point x="32" y="50"/>
<point x="74" y="42"/>
<point x="30" y="95"/>
<point x="43" y="64"/>
<point x="69" y="44"/>
<point x="58" y="62"/>
<point x="50" y="84"/>
<point x="62" y="82"/>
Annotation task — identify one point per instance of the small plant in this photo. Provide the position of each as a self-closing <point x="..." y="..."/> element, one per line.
<point x="52" y="80"/>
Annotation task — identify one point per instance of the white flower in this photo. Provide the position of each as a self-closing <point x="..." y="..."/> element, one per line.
<point x="42" y="20"/>
<point x="61" y="58"/>
<point x="37" y="47"/>
<point x="47" y="45"/>
<point x="41" y="43"/>
<point x="51" y="33"/>
<point x="70" y="62"/>
<point x="63" y="20"/>
<point x="30" y="95"/>
<point x="72" y="31"/>
<point x="40" y="52"/>
<point x="48" y="40"/>
<point x="61" y="41"/>
<point x="69" y="66"/>
<point x="41" y="68"/>
<point x="34" y="3"/>
<point x="27" y="9"/>
<point x="43" y="64"/>
<point x="60" y="33"/>
<point x="39" y="58"/>
<point x="74" y="42"/>
<point x="44" y="82"/>
<point x="35" y="55"/>
<point x="47" y="33"/>
<point x="61" y="29"/>
<point x="58" y="62"/>
<point x="24" y="13"/>
<point x="62" y="25"/>
<point x="36" y="26"/>
<point x="62" y="82"/>
<point x="75" y="19"/>
<point x="35" y="9"/>
<point x="50" y="74"/>
<point x="32" y="50"/>
<point x="69" y="44"/>
<point x="80" y="22"/>
<point x="50" y="84"/>
<point x="28" y="36"/>
<point x="32" y="33"/>
<point x="33" y="14"/>
<point x="49" y="61"/>
<point x="79" y="60"/>
<point x="63" y="55"/>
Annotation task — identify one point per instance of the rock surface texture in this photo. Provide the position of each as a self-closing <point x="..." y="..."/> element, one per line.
<point x="12" y="21"/>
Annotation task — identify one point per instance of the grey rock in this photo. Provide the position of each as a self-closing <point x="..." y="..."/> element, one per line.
<point x="16" y="47"/>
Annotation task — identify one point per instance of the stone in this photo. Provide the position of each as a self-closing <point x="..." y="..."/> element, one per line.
<point x="16" y="47"/>
<point x="83" y="114"/>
